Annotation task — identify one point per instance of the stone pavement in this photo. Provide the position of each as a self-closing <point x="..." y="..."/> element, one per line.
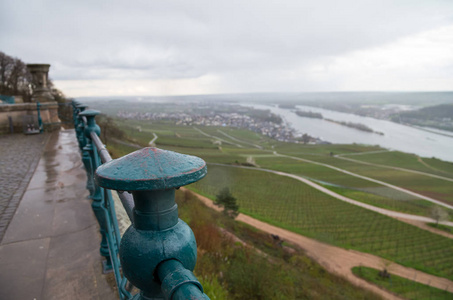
<point x="19" y="155"/>
<point x="51" y="247"/>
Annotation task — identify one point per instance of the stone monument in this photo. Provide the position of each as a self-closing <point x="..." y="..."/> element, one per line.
<point x="41" y="91"/>
<point x="48" y="107"/>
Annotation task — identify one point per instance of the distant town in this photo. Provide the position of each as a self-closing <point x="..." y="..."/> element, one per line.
<point x="272" y="126"/>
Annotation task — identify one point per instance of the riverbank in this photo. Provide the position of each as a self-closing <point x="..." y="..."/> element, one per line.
<point x="395" y="136"/>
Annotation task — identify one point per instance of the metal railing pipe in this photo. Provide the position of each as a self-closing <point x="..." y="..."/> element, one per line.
<point x="126" y="198"/>
<point x="178" y="283"/>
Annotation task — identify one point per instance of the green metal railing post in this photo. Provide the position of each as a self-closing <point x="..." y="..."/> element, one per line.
<point x="80" y="126"/>
<point x="75" y="112"/>
<point x="76" y="120"/>
<point x="86" y="155"/>
<point x="158" y="251"/>
<point x="92" y="160"/>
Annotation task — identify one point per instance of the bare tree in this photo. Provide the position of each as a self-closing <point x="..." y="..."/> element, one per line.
<point x="439" y="214"/>
<point x="15" y="79"/>
<point x="5" y="66"/>
<point x="305" y="138"/>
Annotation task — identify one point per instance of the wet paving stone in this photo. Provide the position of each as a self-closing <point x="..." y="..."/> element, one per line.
<point x="19" y="156"/>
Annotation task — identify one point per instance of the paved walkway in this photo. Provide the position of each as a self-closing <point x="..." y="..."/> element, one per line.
<point x="19" y="155"/>
<point x="51" y="247"/>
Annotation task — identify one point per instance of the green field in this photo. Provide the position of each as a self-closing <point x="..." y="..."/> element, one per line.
<point x="438" y="189"/>
<point x="290" y="204"/>
<point x="323" y="150"/>
<point x="445" y="228"/>
<point x="403" y="287"/>
<point x="168" y="134"/>
<point x="350" y="186"/>
<point x="407" y="161"/>
<point x="238" y="145"/>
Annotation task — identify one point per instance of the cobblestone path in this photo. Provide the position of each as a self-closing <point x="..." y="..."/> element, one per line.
<point x="19" y="156"/>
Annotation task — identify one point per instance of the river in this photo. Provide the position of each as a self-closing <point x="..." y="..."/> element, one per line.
<point x="396" y="136"/>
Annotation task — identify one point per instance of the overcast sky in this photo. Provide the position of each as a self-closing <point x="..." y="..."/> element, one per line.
<point x="103" y="48"/>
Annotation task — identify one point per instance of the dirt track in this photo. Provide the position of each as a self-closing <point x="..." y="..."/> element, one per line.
<point x="340" y="261"/>
<point x="374" y="180"/>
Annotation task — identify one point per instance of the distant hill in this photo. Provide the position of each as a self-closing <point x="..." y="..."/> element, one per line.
<point x="439" y="116"/>
<point x="340" y="99"/>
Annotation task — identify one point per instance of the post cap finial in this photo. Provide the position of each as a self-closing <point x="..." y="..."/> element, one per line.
<point x="89" y="113"/>
<point x="150" y="169"/>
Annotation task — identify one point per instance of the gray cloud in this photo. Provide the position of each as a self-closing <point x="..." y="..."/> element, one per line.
<point x="245" y="43"/>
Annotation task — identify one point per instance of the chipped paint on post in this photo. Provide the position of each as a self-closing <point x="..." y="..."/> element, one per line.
<point x="157" y="234"/>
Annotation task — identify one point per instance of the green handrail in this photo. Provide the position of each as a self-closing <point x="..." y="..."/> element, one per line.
<point x="137" y="258"/>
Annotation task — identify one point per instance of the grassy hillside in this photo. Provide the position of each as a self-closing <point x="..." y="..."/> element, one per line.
<point x="289" y="204"/>
<point x="408" y="161"/>
<point x="232" y="270"/>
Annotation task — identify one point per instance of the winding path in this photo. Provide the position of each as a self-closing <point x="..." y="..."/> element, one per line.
<point x="153" y="140"/>
<point x="240" y="141"/>
<point x="217" y="138"/>
<point x="369" y="179"/>
<point x="382" y="211"/>
<point x="395" y="168"/>
<point x="362" y="153"/>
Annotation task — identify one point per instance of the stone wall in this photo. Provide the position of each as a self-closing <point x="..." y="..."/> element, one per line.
<point x="49" y="116"/>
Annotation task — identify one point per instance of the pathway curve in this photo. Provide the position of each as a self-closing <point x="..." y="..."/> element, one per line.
<point x="153" y="140"/>
<point x="397" y="168"/>
<point x="239" y="141"/>
<point x="340" y="261"/>
<point x="382" y="211"/>
<point x="370" y="179"/>
<point x="217" y="138"/>
<point x="363" y="153"/>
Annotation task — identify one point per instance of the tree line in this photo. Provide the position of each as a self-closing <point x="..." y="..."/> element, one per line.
<point x="16" y="79"/>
